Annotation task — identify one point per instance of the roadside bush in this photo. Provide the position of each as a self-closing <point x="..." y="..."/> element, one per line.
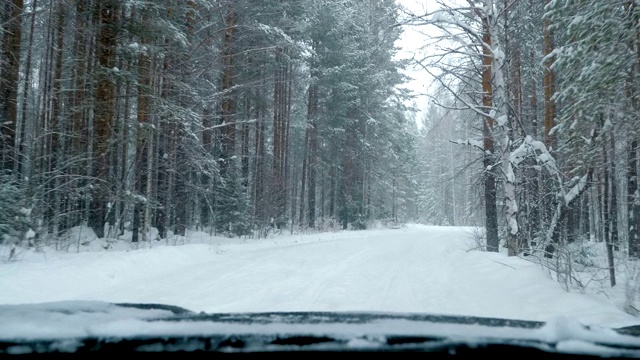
<point x="14" y="215"/>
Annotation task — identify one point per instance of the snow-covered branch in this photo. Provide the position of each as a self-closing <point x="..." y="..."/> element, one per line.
<point x="471" y="142"/>
<point x="534" y="149"/>
<point x="225" y="124"/>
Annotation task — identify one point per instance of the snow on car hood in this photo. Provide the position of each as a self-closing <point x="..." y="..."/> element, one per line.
<point x="58" y="324"/>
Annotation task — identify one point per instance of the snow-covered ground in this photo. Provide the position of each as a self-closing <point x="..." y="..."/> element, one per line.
<point x="412" y="269"/>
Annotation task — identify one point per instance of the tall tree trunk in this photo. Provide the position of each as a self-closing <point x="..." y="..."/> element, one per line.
<point x="501" y="110"/>
<point x="104" y="113"/>
<point x="286" y="178"/>
<point x="323" y="191"/>
<point x="280" y="129"/>
<point x="549" y="85"/>
<point x="125" y="168"/>
<point x="226" y="200"/>
<point x="633" y="189"/>
<point x="517" y="92"/>
<point x="144" y="147"/>
<point x="598" y="209"/>
<point x="347" y="177"/>
<point x="394" y="211"/>
<point x="11" y="46"/>
<point x="592" y="202"/>
<point x="614" y="195"/>
<point x="260" y="171"/>
<point x="57" y="125"/>
<point x="312" y="114"/>
<point x="607" y="214"/>
<point x="79" y="119"/>
<point x="633" y="202"/>
<point x="26" y="138"/>
<point x="228" y="100"/>
<point x="44" y="132"/>
<point x="491" y="211"/>
<point x="245" y="148"/>
<point x="333" y="185"/>
<point x="305" y="175"/>
<point x="537" y="196"/>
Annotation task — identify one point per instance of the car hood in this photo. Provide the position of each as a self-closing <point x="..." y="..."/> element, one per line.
<point x="71" y="327"/>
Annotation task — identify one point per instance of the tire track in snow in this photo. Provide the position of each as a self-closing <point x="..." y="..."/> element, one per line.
<point x="337" y="275"/>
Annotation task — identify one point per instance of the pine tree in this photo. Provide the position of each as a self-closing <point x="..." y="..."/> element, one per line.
<point x="9" y="72"/>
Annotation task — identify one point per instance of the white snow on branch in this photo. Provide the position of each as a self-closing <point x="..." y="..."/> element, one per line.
<point x="442" y="17"/>
<point x="278" y="32"/>
<point x="471" y="142"/>
<point x="498" y="53"/>
<point x="536" y="149"/>
<point x="576" y="190"/>
<point x="30" y="234"/>
<point x="513" y="225"/>
<point x="502" y="120"/>
<point x="439" y="16"/>
<point x="511" y="177"/>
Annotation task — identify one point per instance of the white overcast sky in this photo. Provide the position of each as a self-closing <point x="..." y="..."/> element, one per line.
<point x="411" y="41"/>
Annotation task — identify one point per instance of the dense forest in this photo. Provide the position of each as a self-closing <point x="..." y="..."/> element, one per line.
<point x="241" y="117"/>
<point x="233" y="116"/>
<point x="546" y="95"/>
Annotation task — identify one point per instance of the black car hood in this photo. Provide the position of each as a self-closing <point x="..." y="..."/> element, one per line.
<point x="81" y="327"/>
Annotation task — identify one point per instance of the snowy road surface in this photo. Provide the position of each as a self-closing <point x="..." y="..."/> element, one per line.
<point x="413" y="269"/>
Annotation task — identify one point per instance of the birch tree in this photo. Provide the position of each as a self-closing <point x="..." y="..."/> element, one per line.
<point x="470" y="38"/>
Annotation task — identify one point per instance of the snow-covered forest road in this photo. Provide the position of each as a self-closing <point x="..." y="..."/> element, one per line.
<point x="412" y="269"/>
